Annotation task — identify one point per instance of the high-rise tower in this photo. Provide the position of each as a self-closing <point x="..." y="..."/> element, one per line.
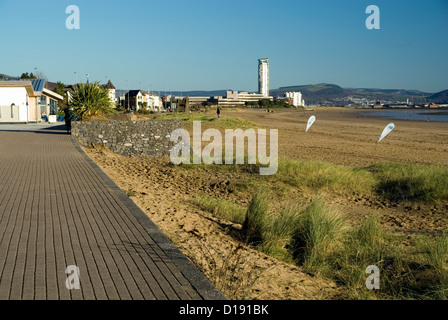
<point x="263" y="77"/>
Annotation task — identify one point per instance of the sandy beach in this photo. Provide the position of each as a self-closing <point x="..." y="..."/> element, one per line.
<point x="340" y="136"/>
<point x="344" y="136"/>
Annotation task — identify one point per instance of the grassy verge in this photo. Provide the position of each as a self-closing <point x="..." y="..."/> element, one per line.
<point x="410" y="182"/>
<point x="207" y="119"/>
<point x="221" y="208"/>
<point x="391" y="181"/>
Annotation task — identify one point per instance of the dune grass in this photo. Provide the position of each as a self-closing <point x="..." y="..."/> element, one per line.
<point x="436" y="252"/>
<point x="410" y="182"/>
<point x="221" y="208"/>
<point x="317" y="235"/>
<point x="318" y="238"/>
<point x="254" y="225"/>
<point x="391" y="181"/>
<point x="323" y="176"/>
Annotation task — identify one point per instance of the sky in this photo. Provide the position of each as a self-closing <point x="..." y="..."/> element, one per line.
<point x="212" y="44"/>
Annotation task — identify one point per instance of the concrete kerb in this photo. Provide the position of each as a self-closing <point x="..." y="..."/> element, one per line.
<point x="197" y="279"/>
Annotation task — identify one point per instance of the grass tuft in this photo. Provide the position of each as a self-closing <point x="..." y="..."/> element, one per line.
<point x="256" y="218"/>
<point x="317" y="235"/>
<point x="221" y="208"/>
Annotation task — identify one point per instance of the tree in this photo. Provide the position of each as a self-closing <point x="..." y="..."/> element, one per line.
<point x="27" y="76"/>
<point x="38" y="75"/>
<point x="60" y="89"/>
<point x="90" y="99"/>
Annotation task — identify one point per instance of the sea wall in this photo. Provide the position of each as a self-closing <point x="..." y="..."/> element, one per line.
<point x="141" y="138"/>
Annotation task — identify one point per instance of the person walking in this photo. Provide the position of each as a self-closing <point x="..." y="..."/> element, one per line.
<point x="68" y="119"/>
<point x="218" y="111"/>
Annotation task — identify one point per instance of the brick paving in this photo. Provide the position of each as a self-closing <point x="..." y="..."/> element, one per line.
<point x="58" y="209"/>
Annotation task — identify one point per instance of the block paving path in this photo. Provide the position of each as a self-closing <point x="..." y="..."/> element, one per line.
<point x="58" y="209"/>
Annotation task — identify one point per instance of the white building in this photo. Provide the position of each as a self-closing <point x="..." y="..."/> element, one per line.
<point x="154" y="102"/>
<point x="112" y="92"/>
<point x="26" y="101"/>
<point x="263" y="77"/>
<point x="295" y="99"/>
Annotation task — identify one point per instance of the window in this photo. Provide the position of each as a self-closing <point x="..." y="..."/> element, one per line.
<point x="12" y="110"/>
<point x="53" y="107"/>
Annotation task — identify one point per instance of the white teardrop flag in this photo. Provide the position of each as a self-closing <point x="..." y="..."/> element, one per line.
<point x="386" y="131"/>
<point x="310" y="122"/>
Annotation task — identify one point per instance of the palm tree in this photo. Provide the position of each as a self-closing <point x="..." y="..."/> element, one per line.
<point x="90" y="99"/>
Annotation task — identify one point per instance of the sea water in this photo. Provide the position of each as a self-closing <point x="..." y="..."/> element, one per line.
<point x="435" y="115"/>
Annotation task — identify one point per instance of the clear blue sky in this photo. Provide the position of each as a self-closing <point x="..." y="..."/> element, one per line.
<point x="211" y="44"/>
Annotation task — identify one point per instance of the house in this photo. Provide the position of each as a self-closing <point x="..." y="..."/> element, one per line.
<point x="133" y="100"/>
<point x="153" y="102"/>
<point x="24" y="101"/>
<point x="112" y="92"/>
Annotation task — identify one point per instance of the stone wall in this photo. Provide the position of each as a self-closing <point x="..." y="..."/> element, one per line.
<point x="141" y="138"/>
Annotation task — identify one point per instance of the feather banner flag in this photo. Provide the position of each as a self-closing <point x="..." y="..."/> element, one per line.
<point x="386" y="131"/>
<point x="310" y="122"/>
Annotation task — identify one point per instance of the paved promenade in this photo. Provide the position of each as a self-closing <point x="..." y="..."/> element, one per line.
<point x="58" y="209"/>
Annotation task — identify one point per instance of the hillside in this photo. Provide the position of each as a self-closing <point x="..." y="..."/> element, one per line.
<point x="324" y="93"/>
<point x="313" y="93"/>
<point x="5" y="76"/>
<point x="439" y="97"/>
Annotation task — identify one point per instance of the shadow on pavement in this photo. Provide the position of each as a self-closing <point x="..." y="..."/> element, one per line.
<point x="56" y="129"/>
<point x="61" y="129"/>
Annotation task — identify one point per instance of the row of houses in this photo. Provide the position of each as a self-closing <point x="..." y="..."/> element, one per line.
<point x="136" y="100"/>
<point x="34" y="100"/>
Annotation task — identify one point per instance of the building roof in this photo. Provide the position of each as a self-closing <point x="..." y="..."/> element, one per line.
<point x="133" y="93"/>
<point x="50" y="85"/>
<point x="38" y="84"/>
<point x="16" y="83"/>
<point x="109" y="85"/>
<point x="34" y="87"/>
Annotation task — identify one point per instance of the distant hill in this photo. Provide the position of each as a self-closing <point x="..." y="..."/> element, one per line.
<point x="388" y="94"/>
<point x="439" y="97"/>
<point x="5" y="77"/>
<point x="313" y="93"/>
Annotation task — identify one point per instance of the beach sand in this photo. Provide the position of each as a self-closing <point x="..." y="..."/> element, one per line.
<point x="343" y="136"/>
<point x="340" y="136"/>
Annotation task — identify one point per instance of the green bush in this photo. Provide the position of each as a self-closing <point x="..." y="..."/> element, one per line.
<point x="90" y="99"/>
